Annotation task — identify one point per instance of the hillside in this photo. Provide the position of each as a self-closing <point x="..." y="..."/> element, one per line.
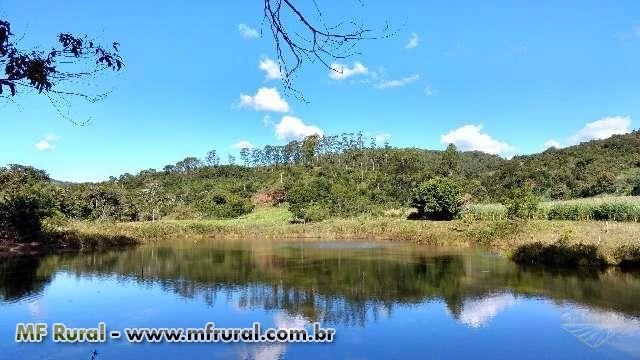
<point x="588" y="169"/>
<point x="333" y="176"/>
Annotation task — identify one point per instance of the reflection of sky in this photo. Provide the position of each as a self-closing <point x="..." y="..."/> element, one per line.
<point x="602" y="320"/>
<point x="495" y="326"/>
<point x="478" y="312"/>
<point x="596" y="328"/>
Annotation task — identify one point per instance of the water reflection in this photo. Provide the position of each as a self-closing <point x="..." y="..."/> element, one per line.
<point x="478" y="312"/>
<point x="352" y="285"/>
<point x="595" y="328"/>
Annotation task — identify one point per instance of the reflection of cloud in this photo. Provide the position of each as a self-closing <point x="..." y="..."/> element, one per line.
<point x="262" y="351"/>
<point x="595" y="328"/>
<point x="270" y="352"/>
<point x="274" y="351"/>
<point x="36" y="309"/>
<point x="286" y="321"/>
<point x="478" y="312"/>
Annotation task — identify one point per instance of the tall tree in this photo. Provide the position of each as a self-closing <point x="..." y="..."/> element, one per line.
<point x="450" y="161"/>
<point x="212" y="158"/>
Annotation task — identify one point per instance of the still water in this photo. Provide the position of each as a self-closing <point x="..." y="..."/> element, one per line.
<point x="385" y="300"/>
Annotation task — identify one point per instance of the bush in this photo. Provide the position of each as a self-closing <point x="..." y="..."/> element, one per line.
<point x="315" y="212"/>
<point x="437" y="199"/>
<point x="521" y="203"/>
<point x="224" y="206"/>
<point x="20" y="219"/>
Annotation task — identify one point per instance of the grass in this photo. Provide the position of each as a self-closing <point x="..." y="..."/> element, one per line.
<point x="614" y="208"/>
<point x="537" y="241"/>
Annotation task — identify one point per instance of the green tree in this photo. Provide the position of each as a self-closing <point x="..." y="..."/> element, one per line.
<point x="437" y="199"/>
<point x="450" y="162"/>
<point x="212" y="158"/>
<point x="521" y="203"/>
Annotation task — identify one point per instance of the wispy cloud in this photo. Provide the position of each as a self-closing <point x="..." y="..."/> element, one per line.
<point x="520" y="50"/>
<point x="243" y="144"/>
<point x="382" y="138"/>
<point x="386" y="84"/>
<point x="413" y="42"/>
<point x="429" y="91"/>
<point x="341" y="71"/>
<point x="248" y="32"/>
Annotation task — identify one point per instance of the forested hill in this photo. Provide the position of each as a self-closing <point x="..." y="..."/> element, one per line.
<point x="329" y="176"/>
<point x="588" y="169"/>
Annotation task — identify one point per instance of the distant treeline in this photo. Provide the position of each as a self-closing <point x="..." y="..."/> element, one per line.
<point x="318" y="177"/>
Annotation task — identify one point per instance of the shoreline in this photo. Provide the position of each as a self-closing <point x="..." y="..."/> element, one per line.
<point x="557" y="243"/>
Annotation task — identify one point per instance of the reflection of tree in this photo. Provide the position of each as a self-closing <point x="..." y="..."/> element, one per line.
<point x="19" y="277"/>
<point x="339" y="286"/>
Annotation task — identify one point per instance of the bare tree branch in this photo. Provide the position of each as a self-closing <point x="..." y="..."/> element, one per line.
<point x="313" y="42"/>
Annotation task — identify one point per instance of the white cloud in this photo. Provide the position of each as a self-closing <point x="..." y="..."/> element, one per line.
<point x="43" y="145"/>
<point x="341" y="71"/>
<point x="387" y="84"/>
<point x="602" y="129"/>
<point x="270" y="67"/>
<point x="248" y="32"/>
<point x="551" y="143"/>
<point x="414" y="41"/>
<point x="521" y="50"/>
<point x="381" y="138"/>
<point x="266" y="120"/>
<point x="243" y="144"/>
<point x="267" y="99"/>
<point x="291" y="128"/>
<point x="47" y="143"/>
<point x="428" y="90"/>
<point x="470" y="137"/>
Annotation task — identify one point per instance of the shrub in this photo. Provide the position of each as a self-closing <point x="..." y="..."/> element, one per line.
<point x="20" y="219"/>
<point x="224" y="206"/>
<point x="437" y="199"/>
<point x="315" y="212"/>
<point x="521" y="203"/>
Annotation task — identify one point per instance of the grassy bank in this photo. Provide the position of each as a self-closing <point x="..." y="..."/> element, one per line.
<point x="566" y="243"/>
<point x="614" y="208"/>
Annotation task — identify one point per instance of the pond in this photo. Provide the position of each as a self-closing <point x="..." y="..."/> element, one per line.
<point x="385" y="300"/>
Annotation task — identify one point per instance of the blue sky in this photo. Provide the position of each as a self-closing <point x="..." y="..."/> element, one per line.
<point x="500" y="76"/>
